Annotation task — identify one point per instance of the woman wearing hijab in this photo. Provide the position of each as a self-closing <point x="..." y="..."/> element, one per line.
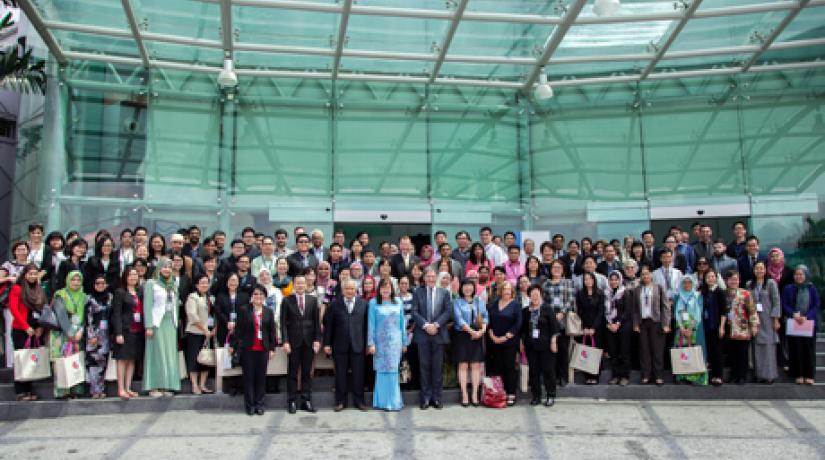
<point x="619" y="327"/>
<point x="714" y="315"/>
<point x="324" y="283"/>
<point x="800" y="302"/>
<point x="69" y="306"/>
<point x="161" y="369"/>
<point x="98" y="311"/>
<point x="368" y="288"/>
<point x="26" y="301"/>
<point x="427" y="256"/>
<point x="688" y="313"/>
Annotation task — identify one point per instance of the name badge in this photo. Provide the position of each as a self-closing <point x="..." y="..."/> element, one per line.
<point x="535" y="333"/>
<point x="260" y="334"/>
<point x="35" y="315"/>
<point x="75" y="320"/>
<point x="136" y="317"/>
<point x="210" y="322"/>
<point x="556" y="302"/>
<point x="104" y="324"/>
<point x="759" y="307"/>
<point x="233" y="316"/>
<point x="685" y="316"/>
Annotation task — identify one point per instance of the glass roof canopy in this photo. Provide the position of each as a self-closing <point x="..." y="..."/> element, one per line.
<point x="490" y="43"/>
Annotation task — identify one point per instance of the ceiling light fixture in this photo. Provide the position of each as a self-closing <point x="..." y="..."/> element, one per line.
<point x="227" y="78"/>
<point x="606" y="7"/>
<point x="543" y="90"/>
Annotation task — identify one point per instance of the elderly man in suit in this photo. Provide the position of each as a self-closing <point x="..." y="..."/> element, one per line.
<point x="431" y="307"/>
<point x="651" y="314"/>
<point x="401" y="263"/>
<point x="345" y="332"/>
<point x="301" y="333"/>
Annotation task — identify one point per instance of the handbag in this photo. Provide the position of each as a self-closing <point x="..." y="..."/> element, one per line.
<point x="48" y="319"/>
<point x="687" y="360"/>
<point x="31" y="363"/>
<point x="573" y="324"/>
<point x="404" y="371"/>
<point x="586" y="358"/>
<point x="493" y="394"/>
<point x="206" y="355"/>
<point x="111" y="369"/>
<point x="182" y="366"/>
<point x="5" y="289"/>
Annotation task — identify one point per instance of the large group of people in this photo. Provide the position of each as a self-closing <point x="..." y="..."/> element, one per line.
<point x="389" y="315"/>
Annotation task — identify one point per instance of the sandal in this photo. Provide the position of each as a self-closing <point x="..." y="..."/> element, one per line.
<point x="800" y="381"/>
<point x="809" y="381"/>
<point x="133" y="394"/>
<point x="23" y="397"/>
<point x="124" y="396"/>
<point x="511" y="400"/>
<point x="155" y="393"/>
<point x="207" y="391"/>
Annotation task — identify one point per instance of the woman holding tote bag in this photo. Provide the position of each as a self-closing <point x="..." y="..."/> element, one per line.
<point x="26" y="301"/>
<point x="69" y="306"/>
<point x="199" y="332"/>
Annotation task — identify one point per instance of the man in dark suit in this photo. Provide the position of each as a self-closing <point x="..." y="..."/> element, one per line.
<point x="650" y="256"/>
<point x="572" y="260"/>
<point x="704" y="247"/>
<point x="431" y="308"/>
<point x="750" y="257"/>
<point x="402" y="263"/>
<point x="610" y="263"/>
<point x="301" y="333"/>
<point x="345" y="332"/>
<point x="302" y="257"/>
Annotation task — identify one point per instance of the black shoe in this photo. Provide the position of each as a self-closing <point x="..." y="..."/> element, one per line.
<point x="291" y="407"/>
<point x="465" y="404"/>
<point x="424" y="405"/>
<point x="307" y="406"/>
<point x="249" y="411"/>
<point x="436" y="404"/>
<point x="549" y="401"/>
<point x="259" y="411"/>
<point x="535" y="401"/>
<point x="561" y="383"/>
<point x="362" y="407"/>
<point x="338" y="407"/>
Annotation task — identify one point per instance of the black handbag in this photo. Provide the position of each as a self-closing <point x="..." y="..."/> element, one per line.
<point x="48" y="319"/>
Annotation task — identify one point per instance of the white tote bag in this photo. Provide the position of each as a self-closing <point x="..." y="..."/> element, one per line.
<point x="687" y="360"/>
<point x="586" y="358"/>
<point x="70" y="370"/>
<point x="31" y="363"/>
<point x="111" y="369"/>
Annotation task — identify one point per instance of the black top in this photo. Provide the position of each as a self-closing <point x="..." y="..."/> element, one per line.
<point x="94" y="267"/>
<point x="245" y="328"/>
<point x="506" y="320"/>
<point x="344" y="331"/>
<point x="623" y="311"/>
<point x="296" y="263"/>
<point x="123" y="304"/>
<point x="224" y="307"/>
<point x="714" y="307"/>
<point x="297" y="329"/>
<point x="590" y="308"/>
<point x="63" y="271"/>
<point x="546" y="325"/>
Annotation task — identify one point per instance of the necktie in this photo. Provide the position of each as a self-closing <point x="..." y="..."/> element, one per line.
<point x="667" y="278"/>
<point x="430" y="303"/>
<point x="349" y="306"/>
<point x="753" y="261"/>
<point x="301" y="304"/>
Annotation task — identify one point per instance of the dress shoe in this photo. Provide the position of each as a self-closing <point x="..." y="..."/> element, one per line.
<point x="292" y="408"/>
<point x="339" y="408"/>
<point x="425" y="405"/>
<point x="249" y="411"/>
<point x="535" y="401"/>
<point x="307" y="406"/>
<point x="437" y="404"/>
<point x="259" y="411"/>
<point x="362" y="407"/>
<point x="562" y="383"/>
<point x="549" y="401"/>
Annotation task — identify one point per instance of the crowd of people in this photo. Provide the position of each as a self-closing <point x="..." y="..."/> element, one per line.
<point x="395" y="316"/>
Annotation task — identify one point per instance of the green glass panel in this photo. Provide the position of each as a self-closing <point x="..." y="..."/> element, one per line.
<point x="703" y="62"/>
<point x="285" y="27"/>
<point x="500" y="39"/>
<point x="416" y="68"/>
<point x="188" y="18"/>
<point x="506" y="72"/>
<point x="89" y="43"/>
<point x="380" y="152"/>
<point x="593" y="69"/>
<point x="542" y="7"/>
<point x="410" y="35"/>
<point x="608" y="39"/>
<point x="90" y="12"/>
<point x="737" y="30"/>
<point x="255" y="60"/>
<point x="185" y="53"/>
<point x="807" y="24"/>
<point x="475" y="156"/>
<point x="692" y="149"/>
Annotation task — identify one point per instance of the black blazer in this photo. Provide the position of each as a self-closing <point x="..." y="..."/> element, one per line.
<point x="577" y="266"/>
<point x="63" y="271"/>
<point x="245" y="329"/>
<point x="346" y="332"/>
<point x="297" y="329"/>
<point x="123" y="304"/>
<point x="548" y="327"/>
<point x="604" y="269"/>
<point x="590" y="308"/>
<point x="397" y="265"/>
<point x="223" y="310"/>
<point x="745" y="270"/>
<point x="296" y="265"/>
<point x="94" y="267"/>
<point x="443" y="309"/>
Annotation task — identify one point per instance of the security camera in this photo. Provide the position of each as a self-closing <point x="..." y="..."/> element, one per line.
<point x="383" y="216"/>
<point x="701" y="212"/>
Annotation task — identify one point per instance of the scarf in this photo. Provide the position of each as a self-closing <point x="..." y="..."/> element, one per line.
<point x="281" y="283"/>
<point x="803" y="294"/>
<point x="33" y="295"/>
<point x="100" y="297"/>
<point x="74" y="301"/>
<point x="426" y="262"/>
<point x="166" y="283"/>
<point x="614" y="296"/>
<point x="775" y="269"/>
<point x="323" y="282"/>
<point x="689" y="302"/>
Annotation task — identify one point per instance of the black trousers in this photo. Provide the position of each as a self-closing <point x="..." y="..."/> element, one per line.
<point x="542" y="366"/>
<point x="300" y="360"/>
<point x="738" y="350"/>
<point x="501" y="360"/>
<point x="618" y="346"/>
<point x="801" y="356"/>
<point x="431" y="362"/>
<point x="18" y="339"/>
<point x="563" y="356"/>
<point x="652" y="349"/>
<point x="253" y="364"/>
<point x="713" y="344"/>
<point x="345" y="362"/>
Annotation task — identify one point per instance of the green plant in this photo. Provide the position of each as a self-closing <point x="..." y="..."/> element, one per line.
<point x="19" y="70"/>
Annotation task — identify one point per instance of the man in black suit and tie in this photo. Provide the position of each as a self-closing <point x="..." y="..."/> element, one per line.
<point x="345" y="332"/>
<point x="401" y="263"/>
<point x="651" y="252"/>
<point x="572" y="260"/>
<point x="302" y="257"/>
<point x="301" y="333"/>
<point x="431" y="309"/>
<point x="749" y="258"/>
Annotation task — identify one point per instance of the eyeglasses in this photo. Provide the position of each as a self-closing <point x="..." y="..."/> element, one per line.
<point x="702" y="263"/>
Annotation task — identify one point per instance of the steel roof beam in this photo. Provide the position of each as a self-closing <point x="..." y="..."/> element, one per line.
<point x="553" y="42"/>
<point x="133" y="26"/>
<point x="775" y="34"/>
<point x="342" y="36"/>
<point x="448" y="38"/>
<point x="687" y="15"/>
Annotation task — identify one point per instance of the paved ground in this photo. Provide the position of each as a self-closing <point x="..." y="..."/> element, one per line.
<point x="579" y="429"/>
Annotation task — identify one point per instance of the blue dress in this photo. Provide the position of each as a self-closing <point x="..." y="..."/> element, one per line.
<point x="386" y="332"/>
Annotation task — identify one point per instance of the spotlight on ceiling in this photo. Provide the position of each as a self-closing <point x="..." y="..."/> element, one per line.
<point x="227" y="78"/>
<point x="543" y="90"/>
<point x="606" y="7"/>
